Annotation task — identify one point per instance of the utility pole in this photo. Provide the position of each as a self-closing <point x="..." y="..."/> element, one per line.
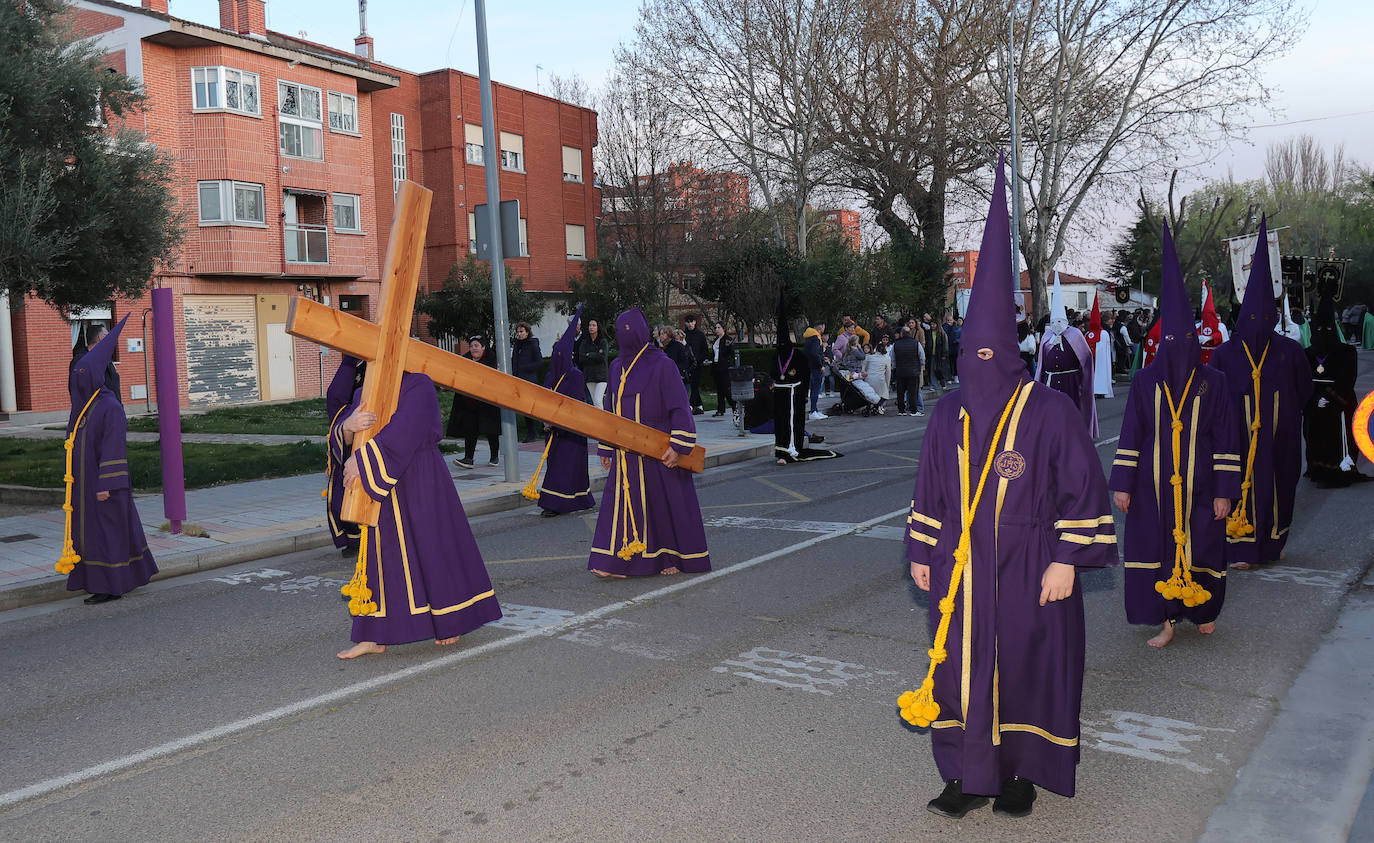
<point x="1015" y="166"/>
<point x="491" y="153"/>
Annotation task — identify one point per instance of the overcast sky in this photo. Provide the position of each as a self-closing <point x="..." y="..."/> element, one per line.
<point x="1328" y="75"/>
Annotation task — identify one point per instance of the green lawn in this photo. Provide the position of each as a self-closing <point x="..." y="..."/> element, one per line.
<point x="296" y="418"/>
<point x="39" y="462"/>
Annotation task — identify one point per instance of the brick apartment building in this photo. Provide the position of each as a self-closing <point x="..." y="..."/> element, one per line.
<point x="286" y="156"/>
<point x="845" y="223"/>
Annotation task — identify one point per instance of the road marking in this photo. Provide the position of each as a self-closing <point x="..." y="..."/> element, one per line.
<point x="525" y="618"/>
<point x="1148" y="737"/>
<point x="884" y="531"/>
<point x="813" y="674"/>
<point x="535" y="559"/>
<point x="246" y="577"/>
<point x="748" y="523"/>
<point x="1298" y="576"/>
<point x="305" y="585"/>
<point x="225" y="730"/>
<point x="630" y="638"/>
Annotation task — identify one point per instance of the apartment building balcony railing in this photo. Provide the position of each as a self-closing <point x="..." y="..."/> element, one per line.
<point x="307" y="243"/>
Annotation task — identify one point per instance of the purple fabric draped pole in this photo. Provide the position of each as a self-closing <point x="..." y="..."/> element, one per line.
<point x="168" y="408"/>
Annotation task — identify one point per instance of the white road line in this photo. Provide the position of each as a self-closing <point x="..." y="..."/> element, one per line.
<point x="225" y="730"/>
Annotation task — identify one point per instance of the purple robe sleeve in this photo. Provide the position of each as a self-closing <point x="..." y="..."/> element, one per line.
<point x="1136" y="430"/>
<point x="111" y="454"/>
<point x="1231" y="444"/>
<point x="1085" y="535"/>
<point x="414" y="426"/>
<point x="608" y="404"/>
<point x="682" y="428"/>
<point x="929" y="508"/>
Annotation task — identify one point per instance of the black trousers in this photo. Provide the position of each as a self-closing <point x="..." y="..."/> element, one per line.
<point x="908" y="393"/>
<point x="470" y="445"/>
<point x="723" y="399"/>
<point x="695" y="386"/>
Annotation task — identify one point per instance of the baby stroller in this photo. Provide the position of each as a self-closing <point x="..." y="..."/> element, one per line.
<point x="856" y="396"/>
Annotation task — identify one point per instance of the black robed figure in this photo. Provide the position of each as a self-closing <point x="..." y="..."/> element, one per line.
<point x="791" y="376"/>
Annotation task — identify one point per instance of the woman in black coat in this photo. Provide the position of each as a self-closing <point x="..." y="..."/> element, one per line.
<point x="525" y="359"/>
<point x="593" y="356"/>
<point x="471" y="418"/>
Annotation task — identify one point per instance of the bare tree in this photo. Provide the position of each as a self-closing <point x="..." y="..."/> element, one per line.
<point x="913" y="108"/>
<point x="1300" y="165"/>
<point x="748" y="81"/>
<point x="1181" y="214"/>
<point x="1113" y="91"/>
<point x="570" y="89"/>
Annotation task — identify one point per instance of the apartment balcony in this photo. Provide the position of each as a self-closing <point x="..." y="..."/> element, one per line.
<point x="307" y="244"/>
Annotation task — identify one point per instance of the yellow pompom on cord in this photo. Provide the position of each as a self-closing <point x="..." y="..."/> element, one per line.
<point x="67" y="561"/>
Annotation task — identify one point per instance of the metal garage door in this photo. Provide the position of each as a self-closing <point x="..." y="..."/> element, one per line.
<point x="221" y="349"/>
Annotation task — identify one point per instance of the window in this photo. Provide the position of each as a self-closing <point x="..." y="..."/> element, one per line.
<point x="572" y="164"/>
<point x="230" y="202"/>
<point x="472" y="232"/>
<point x="577" y="242"/>
<point x="398" y="151"/>
<point x="300" y="120"/>
<point x="512" y="152"/>
<point x="524" y="238"/>
<point x="1082" y="301"/>
<point x="347" y="212"/>
<point x="472" y="137"/>
<point x="343" y="112"/>
<point x="225" y="88"/>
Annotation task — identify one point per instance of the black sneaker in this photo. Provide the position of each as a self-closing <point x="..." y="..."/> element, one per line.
<point x="462" y="463"/>
<point x="1016" y="799"/>
<point x="493" y="461"/>
<point x="953" y="802"/>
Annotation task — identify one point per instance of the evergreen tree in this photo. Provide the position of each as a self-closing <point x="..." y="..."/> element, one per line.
<point x="463" y="306"/>
<point x="85" y="206"/>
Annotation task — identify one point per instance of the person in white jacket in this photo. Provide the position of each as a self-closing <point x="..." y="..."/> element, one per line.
<point x="878" y="369"/>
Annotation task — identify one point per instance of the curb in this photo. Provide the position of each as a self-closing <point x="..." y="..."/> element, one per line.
<point x="32" y="495"/>
<point x="195" y="561"/>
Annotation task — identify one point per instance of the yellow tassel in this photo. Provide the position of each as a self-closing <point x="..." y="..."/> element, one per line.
<point x="1238" y="524"/>
<point x="1180" y="585"/>
<point x="360" y="596"/>
<point x="919" y="707"/>
<point x="531" y="490"/>
<point x="67" y="561"/>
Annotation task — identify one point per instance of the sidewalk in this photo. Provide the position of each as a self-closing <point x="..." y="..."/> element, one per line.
<point x="264" y="518"/>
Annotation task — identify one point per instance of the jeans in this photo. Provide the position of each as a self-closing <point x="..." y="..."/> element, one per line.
<point x="816" y="377"/>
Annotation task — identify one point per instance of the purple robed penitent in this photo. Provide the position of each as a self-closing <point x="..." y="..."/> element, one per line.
<point x="423" y="565"/>
<point x="1284" y="389"/>
<point x="1209" y="464"/>
<point x="1065" y="361"/>
<point x="108" y="534"/>
<point x="347" y="380"/>
<point x="567" y="485"/>
<point x="1010" y="687"/>
<point x="660" y="502"/>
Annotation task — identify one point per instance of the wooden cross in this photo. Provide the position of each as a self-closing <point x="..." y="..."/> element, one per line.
<point x="391" y="352"/>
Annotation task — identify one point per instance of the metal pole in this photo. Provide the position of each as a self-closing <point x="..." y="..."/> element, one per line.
<point x="1015" y="165"/>
<point x="8" y="396"/>
<point x="147" y="375"/>
<point x="510" y="446"/>
<point x="1142" y="281"/>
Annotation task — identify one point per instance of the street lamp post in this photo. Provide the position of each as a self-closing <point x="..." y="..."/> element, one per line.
<point x="1142" y="281"/>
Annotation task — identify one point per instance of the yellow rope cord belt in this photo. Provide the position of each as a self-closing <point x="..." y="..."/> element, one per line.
<point x="1238" y="524"/>
<point x="919" y="707"/>
<point x="70" y="557"/>
<point x="630" y="543"/>
<point x="1180" y="585"/>
<point x="531" y="490"/>
<point x="358" y="594"/>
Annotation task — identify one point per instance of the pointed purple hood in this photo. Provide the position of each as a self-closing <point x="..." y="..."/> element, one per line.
<point x="1179" y="352"/>
<point x="631" y="332"/>
<point x="561" y="358"/>
<point x="1258" y="313"/>
<point x="990" y="324"/>
<point x="88" y="375"/>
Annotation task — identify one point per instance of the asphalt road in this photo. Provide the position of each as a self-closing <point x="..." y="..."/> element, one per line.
<point x="754" y="703"/>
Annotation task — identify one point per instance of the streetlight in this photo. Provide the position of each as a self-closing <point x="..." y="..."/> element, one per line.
<point x="1142" y="281"/>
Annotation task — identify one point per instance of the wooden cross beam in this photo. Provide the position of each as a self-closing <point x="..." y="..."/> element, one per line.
<point x="390" y="352"/>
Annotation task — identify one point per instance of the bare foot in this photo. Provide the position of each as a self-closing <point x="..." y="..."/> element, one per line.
<point x="363" y="648"/>
<point x="782" y="462"/>
<point x="668" y="572"/>
<point x="1241" y="566"/>
<point x="444" y="642"/>
<point x="606" y="576"/>
<point x="1207" y="628"/>
<point x="1283" y="554"/>
<point x="1163" y="638"/>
